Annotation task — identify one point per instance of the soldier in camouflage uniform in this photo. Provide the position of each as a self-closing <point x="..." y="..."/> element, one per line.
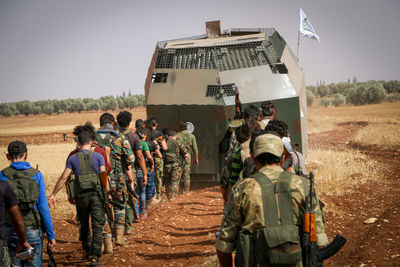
<point x="189" y="141"/>
<point x="245" y="214"/>
<point x="121" y="158"/>
<point x="172" y="170"/>
<point x="158" y="136"/>
<point x="229" y="145"/>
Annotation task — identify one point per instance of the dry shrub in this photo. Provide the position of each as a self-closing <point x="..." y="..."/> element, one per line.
<point x="51" y="162"/>
<point x="336" y="172"/>
<point x="322" y="119"/>
<point x="384" y="135"/>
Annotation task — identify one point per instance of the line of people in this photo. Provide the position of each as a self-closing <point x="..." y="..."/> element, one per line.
<point x="137" y="164"/>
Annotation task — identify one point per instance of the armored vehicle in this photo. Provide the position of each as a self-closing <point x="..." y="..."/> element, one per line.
<point x="194" y="80"/>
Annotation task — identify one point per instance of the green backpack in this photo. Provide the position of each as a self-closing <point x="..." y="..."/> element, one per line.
<point x="278" y="243"/>
<point x="88" y="180"/>
<point x="27" y="191"/>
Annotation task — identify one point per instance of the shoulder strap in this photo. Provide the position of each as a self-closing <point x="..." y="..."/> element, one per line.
<point x="282" y="189"/>
<point x="268" y="196"/>
<point x="276" y="197"/>
<point x="9" y="172"/>
<point x="85" y="162"/>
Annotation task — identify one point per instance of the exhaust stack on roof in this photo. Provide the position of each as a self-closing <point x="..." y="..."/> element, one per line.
<point x="213" y="29"/>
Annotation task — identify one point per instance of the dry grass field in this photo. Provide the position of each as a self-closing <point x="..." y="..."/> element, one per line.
<point x="50" y="158"/>
<point x="337" y="171"/>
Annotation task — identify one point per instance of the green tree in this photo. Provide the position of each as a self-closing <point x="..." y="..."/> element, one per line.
<point x="313" y="89"/>
<point x="48" y="109"/>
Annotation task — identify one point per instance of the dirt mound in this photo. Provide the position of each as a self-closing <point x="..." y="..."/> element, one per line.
<point x="34" y="139"/>
<point x="354" y="123"/>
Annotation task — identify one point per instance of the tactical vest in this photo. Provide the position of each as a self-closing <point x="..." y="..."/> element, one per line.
<point x="27" y="191"/>
<point x="186" y="142"/>
<point x="172" y="154"/>
<point x="278" y="243"/>
<point x="88" y="181"/>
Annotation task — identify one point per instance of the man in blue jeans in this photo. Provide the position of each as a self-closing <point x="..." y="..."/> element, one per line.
<point x="33" y="206"/>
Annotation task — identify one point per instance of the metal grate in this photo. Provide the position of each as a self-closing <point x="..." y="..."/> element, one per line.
<point x="229" y="89"/>
<point x="222" y="57"/>
<point x="221" y="90"/>
<point x="213" y="90"/>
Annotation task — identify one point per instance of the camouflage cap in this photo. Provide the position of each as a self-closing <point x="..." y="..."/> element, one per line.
<point x="268" y="143"/>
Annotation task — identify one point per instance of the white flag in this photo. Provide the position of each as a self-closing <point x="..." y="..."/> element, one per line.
<point x="306" y="28"/>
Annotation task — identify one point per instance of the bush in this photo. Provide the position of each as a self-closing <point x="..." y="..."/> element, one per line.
<point x="325" y="101"/>
<point x="310" y="98"/>
<point x="323" y="91"/>
<point x="338" y="100"/>
<point x="393" y="97"/>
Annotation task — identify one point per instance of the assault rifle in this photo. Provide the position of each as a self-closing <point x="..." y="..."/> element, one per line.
<point x="108" y="203"/>
<point x="312" y="256"/>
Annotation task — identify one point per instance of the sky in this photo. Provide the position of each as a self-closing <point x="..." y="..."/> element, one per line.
<point x="58" y="49"/>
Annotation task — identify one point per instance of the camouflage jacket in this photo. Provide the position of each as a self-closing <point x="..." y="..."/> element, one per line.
<point x="244" y="209"/>
<point x="189" y="140"/>
<point x="121" y="151"/>
<point x="175" y="153"/>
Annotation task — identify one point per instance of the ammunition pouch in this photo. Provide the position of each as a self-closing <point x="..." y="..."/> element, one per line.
<point x="72" y="191"/>
<point x="278" y="245"/>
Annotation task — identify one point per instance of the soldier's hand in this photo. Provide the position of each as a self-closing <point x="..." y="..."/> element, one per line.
<point x="52" y="201"/>
<point x="197" y="161"/>
<point x="22" y="246"/>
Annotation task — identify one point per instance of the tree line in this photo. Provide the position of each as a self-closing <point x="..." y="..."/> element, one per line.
<point x="71" y="105"/>
<point x="355" y="93"/>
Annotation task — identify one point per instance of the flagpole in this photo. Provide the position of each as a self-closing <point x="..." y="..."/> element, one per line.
<point x="298" y="44"/>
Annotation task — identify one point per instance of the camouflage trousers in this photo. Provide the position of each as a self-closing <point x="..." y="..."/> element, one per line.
<point x="185" y="180"/>
<point x="119" y="194"/>
<point x="91" y="206"/>
<point x="172" y="173"/>
<point x="130" y="214"/>
<point x="159" y="165"/>
<point x="5" y="258"/>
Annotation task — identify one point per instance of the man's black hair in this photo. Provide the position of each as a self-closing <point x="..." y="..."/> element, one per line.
<point x="169" y="132"/>
<point x="153" y="120"/>
<point x="147" y="124"/>
<point x="267" y="108"/>
<point x="17" y="149"/>
<point x="142" y="131"/>
<point x="84" y="138"/>
<point x="268" y="158"/>
<point x="87" y="128"/>
<point x="251" y="112"/>
<point x="182" y="125"/>
<point x="106" y="118"/>
<point x="124" y="118"/>
<point x="278" y="126"/>
<point x="139" y="123"/>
